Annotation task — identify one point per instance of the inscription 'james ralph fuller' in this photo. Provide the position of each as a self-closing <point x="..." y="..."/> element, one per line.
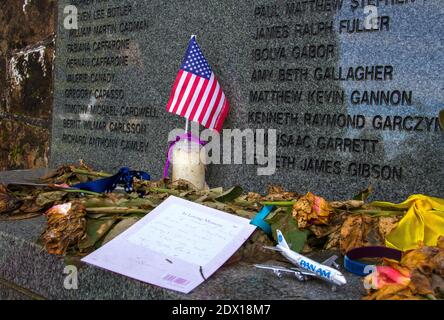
<point x="353" y="88"/>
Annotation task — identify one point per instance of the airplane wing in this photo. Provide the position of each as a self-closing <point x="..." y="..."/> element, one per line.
<point x="271" y="267"/>
<point x="277" y="269"/>
<point x="331" y="262"/>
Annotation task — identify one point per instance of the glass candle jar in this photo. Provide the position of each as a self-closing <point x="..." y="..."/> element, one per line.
<point x="187" y="164"/>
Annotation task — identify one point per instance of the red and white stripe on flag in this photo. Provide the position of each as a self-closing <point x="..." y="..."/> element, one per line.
<point x="199" y="99"/>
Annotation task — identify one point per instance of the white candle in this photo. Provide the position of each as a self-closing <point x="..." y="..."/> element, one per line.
<point x="187" y="164"/>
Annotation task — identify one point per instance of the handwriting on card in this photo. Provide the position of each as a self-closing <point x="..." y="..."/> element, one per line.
<point x="186" y="234"/>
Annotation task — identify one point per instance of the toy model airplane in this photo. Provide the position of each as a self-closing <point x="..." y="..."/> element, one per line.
<point x="305" y="267"/>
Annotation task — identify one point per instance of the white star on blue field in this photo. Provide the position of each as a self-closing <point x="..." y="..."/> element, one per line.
<point x="195" y="62"/>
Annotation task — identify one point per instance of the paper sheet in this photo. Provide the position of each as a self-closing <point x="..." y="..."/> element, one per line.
<point x="176" y="246"/>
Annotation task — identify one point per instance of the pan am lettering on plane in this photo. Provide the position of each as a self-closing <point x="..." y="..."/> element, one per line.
<point x="305" y="268"/>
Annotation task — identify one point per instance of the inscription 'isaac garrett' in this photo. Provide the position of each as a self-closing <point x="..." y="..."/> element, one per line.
<point x="352" y="87"/>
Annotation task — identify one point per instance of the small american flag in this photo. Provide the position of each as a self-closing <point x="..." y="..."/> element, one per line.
<point x="196" y="93"/>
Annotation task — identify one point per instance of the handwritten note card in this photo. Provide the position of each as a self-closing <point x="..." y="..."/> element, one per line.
<point x="177" y="246"/>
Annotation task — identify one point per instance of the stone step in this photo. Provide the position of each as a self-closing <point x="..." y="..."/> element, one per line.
<point x="32" y="273"/>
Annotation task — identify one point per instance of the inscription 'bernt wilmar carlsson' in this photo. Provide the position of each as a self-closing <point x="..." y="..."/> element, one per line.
<point x="353" y="88"/>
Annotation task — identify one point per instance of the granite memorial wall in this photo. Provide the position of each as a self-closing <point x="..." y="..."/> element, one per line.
<point x="353" y="88"/>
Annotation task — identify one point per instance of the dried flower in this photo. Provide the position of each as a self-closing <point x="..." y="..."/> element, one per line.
<point x="311" y="210"/>
<point x="66" y="227"/>
<point x="416" y="276"/>
<point x="387" y="275"/>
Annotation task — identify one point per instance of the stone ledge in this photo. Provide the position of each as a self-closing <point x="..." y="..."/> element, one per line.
<point x="27" y="265"/>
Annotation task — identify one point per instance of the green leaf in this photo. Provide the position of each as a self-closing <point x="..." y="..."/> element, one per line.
<point x="48" y="198"/>
<point x="119" y="228"/>
<point x="364" y="194"/>
<point x="95" y="230"/>
<point x="284" y="221"/>
<point x="218" y="190"/>
<point x="230" y="194"/>
<point x="99" y="216"/>
<point x="275" y="215"/>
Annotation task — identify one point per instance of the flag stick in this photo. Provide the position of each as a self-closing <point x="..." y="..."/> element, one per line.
<point x="186" y="125"/>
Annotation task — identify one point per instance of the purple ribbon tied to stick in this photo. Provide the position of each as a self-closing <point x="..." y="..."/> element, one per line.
<point x="187" y="136"/>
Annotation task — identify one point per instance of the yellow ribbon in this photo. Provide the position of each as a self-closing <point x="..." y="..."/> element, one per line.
<point x="423" y="222"/>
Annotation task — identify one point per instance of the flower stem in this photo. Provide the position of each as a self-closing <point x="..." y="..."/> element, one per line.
<point x="278" y="203"/>
<point x="81" y="191"/>
<point x="163" y="190"/>
<point x="92" y="173"/>
<point x="116" y="210"/>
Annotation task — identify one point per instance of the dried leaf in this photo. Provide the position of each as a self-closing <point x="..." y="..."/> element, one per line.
<point x="386" y="225"/>
<point x="275" y="189"/>
<point x="438" y="285"/>
<point x="254" y="197"/>
<point x="387" y="292"/>
<point x="348" y="205"/>
<point x="68" y="174"/>
<point x="437" y="263"/>
<point x="333" y="241"/>
<point x="364" y="230"/>
<point x="421" y="284"/>
<point x="364" y="194"/>
<point x="323" y="231"/>
<point x="352" y="233"/>
<point x="8" y="203"/>
<point x="440" y="243"/>
<point x="278" y="193"/>
<point x="419" y="258"/>
<point x="49" y="198"/>
<point x="182" y="185"/>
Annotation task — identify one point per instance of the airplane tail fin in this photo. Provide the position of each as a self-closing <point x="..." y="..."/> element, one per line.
<point x="281" y="239"/>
